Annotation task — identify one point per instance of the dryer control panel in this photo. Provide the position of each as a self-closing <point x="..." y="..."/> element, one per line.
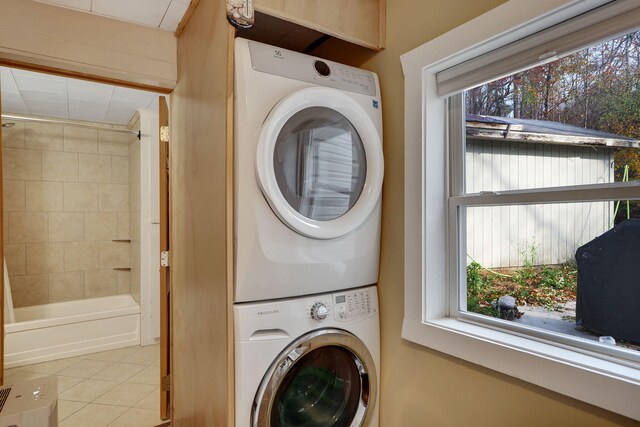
<point x="353" y="304"/>
<point x="298" y="66"/>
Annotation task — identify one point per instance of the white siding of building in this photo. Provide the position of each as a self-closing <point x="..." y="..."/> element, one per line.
<point x="505" y="236"/>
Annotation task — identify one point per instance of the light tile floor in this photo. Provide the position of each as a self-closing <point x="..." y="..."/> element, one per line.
<point x="113" y="388"/>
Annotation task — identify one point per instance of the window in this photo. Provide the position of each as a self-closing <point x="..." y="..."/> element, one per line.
<point x="456" y="197"/>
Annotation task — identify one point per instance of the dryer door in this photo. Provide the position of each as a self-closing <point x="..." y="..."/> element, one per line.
<point x="325" y="378"/>
<point x="320" y="163"/>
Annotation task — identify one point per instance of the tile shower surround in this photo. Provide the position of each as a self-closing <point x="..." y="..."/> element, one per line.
<point x="66" y="198"/>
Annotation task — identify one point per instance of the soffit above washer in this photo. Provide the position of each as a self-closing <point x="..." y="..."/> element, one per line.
<point x="37" y="94"/>
<point x="164" y="14"/>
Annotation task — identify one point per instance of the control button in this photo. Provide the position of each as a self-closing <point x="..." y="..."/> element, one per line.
<point x="322" y="68"/>
<point x="342" y="312"/>
<point x="319" y="311"/>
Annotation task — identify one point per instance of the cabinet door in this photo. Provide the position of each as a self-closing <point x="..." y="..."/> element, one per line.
<point x="358" y="21"/>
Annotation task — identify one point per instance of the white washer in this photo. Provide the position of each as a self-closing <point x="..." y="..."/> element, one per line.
<point x="308" y="361"/>
<point x="308" y="174"/>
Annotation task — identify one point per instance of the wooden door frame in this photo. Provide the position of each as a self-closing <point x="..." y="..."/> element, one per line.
<point x="2" y="314"/>
<point x="165" y="272"/>
<point x="69" y="74"/>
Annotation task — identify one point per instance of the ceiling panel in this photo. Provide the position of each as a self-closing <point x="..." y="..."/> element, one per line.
<point x="164" y="14"/>
<point x="26" y="92"/>
<point x="174" y="14"/>
<point x="145" y="12"/>
<point x="84" y="5"/>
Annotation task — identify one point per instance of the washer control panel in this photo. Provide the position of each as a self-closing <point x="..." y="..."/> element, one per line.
<point x="298" y="66"/>
<point x="353" y="304"/>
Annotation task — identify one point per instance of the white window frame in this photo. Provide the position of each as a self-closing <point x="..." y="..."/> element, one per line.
<point x="605" y="381"/>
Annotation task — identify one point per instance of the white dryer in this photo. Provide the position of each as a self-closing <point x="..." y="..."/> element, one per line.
<point x="308" y="361"/>
<point x="308" y="174"/>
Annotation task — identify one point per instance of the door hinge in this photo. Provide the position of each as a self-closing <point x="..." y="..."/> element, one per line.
<point x="164" y="133"/>
<point x="165" y="383"/>
<point x="164" y="259"/>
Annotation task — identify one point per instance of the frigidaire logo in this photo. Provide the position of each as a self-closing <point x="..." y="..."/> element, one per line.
<point x="264" y="313"/>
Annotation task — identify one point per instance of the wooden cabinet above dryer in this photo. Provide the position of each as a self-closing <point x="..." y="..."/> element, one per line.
<point x="361" y="22"/>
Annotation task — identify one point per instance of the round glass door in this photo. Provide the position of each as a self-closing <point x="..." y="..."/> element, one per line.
<point x="325" y="378"/>
<point x="319" y="162"/>
<point x="323" y="389"/>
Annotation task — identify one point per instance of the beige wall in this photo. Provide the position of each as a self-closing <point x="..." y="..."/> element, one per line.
<point x="421" y="387"/>
<point x="66" y="197"/>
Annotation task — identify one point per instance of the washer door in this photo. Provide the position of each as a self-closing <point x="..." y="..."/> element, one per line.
<point x="325" y="378"/>
<point x="320" y="163"/>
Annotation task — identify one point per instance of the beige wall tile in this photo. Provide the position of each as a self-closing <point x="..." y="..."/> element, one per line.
<point x="100" y="226"/>
<point x="43" y="196"/>
<point x="80" y="140"/>
<point x="80" y="197"/>
<point x="115" y="255"/>
<point x="66" y="286"/>
<point x="14" y="136"/>
<point x="45" y="258"/>
<point x="124" y="282"/>
<point x="94" y="168"/>
<point x="116" y="143"/>
<point x="43" y="136"/>
<point x="59" y="166"/>
<point x="81" y="256"/>
<point x="119" y="170"/>
<point x="21" y="164"/>
<point x="30" y="290"/>
<point x="123" y="225"/>
<point x="27" y="227"/>
<point x="135" y="270"/>
<point x="13" y="195"/>
<point x="113" y="197"/>
<point x="16" y="259"/>
<point x="66" y="227"/>
<point x="100" y="283"/>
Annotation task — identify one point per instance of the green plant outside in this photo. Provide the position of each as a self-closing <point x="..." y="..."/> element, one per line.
<point x="549" y="286"/>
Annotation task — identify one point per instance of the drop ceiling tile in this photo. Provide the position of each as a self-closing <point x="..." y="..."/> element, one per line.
<point x="119" y="117"/>
<point x="49" y="109"/>
<point x="87" y="110"/>
<point x="13" y="103"/>
<point x="174" y="15"/>
<point x="7" y="82"/>
<point x="28" y="81"/>
<point x="132" y="96"/>
<point x="153" y="105"/>
<point x="95" y="95"/>
<point x="146" y="12"/>
<point x="72" y="4"/>
<point x="34" y="97"/>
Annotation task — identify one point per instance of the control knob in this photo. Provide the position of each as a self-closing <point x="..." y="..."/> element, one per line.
<point x="319" y="311"/>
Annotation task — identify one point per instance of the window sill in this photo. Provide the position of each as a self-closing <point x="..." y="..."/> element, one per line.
<point x="607" y="384"/>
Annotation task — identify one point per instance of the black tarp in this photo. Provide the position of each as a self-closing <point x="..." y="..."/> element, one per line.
<point x="608" y="294"/>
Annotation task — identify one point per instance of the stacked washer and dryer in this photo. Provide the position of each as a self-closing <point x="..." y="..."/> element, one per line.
<point x="307" y="184"/>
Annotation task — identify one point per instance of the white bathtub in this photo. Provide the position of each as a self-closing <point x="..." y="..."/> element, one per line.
<point x="64" y="329"/>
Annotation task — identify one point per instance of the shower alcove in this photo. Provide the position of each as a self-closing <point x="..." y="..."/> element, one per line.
<point x="81" y="236"/>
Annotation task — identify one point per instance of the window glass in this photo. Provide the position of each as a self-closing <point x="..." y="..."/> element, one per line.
<point x="572" y="121"/>
<point x="319" y="163"/>
<point x="321" y="389"/>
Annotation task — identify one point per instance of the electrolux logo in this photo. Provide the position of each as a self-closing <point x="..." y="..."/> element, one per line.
<point x="267" y="312"/>
<point x="278" y="54"/>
